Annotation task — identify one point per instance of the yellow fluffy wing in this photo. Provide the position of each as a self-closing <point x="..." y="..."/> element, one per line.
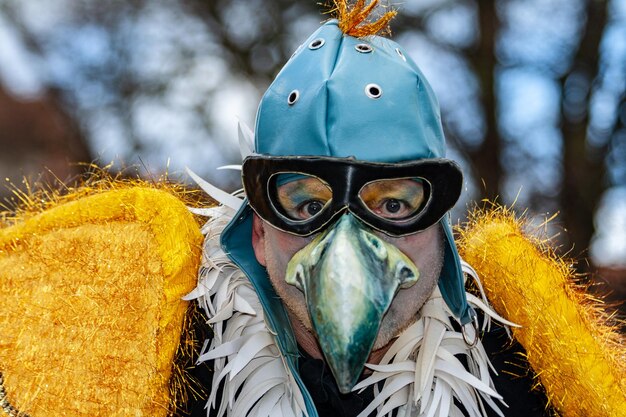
<point x="90" y="302"/>
<point x="579" y="359"/>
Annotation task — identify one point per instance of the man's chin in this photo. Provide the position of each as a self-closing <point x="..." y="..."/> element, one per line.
<point x="389" y="332"/>
<point x="382" y="341"/>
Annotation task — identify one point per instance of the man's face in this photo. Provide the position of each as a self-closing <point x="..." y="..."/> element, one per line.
<point x="274" y="249"/>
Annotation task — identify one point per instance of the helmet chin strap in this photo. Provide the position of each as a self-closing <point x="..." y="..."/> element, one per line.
<point x="349" y="277"/>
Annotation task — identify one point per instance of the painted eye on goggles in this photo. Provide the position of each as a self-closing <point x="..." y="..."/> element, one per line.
<point x="301" y="195"/>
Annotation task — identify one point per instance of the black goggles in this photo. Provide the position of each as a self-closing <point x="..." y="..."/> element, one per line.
<point x="302" y="194"/>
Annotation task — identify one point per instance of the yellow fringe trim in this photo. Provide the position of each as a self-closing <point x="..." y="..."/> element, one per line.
<point x="137" y="226"/>
<point x="352" y="19"/>
<point x="578" y="357"/>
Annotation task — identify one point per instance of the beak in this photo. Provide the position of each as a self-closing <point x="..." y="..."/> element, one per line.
<point x="349" y="277"/>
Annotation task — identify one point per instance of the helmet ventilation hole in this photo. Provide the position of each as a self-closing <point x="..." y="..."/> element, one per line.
<point x="317" y="43"/>
<point x="363" y="48"/>
<point x="399" y="52"/>
<point x="373" y="91"/>
<point x="293" y="97"/>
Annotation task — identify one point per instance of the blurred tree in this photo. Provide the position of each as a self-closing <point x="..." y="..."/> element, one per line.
<point x="486" y="158"/>
<point x="584" y="173"/>
<point x="38" y="141"/>
<point x="256" y="35"/>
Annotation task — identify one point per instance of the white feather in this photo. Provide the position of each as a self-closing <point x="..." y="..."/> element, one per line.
<point x="219" y="195"/>
<point x="233" y="167"/>
<point x="246" y="139"/>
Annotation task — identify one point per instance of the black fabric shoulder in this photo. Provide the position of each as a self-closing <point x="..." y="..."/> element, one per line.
<point x="328" y="401"/>
<point x="515" y="378"/>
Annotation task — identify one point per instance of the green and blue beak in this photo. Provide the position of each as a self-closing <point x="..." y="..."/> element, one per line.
<point x="349" y="277"/>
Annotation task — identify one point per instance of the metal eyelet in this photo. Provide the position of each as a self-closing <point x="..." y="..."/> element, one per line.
<point x="317" y="43"/>
<point x="399" y="52"/>
<point x="363" y="48"/>
<point x="373" y="91"/>
<point x="293" y="97"/>
<point x="474" y="323"/>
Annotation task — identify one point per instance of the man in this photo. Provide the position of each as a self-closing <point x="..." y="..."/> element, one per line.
<point x="346" y="242"/>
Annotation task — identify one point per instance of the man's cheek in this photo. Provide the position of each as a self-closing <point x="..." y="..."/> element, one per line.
<point x="280" y="249"/>
<point x="284" y="246"/>
<point x="283" y="251"/>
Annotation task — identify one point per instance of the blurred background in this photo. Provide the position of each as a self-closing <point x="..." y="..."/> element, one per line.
<point x="532" y="94"/>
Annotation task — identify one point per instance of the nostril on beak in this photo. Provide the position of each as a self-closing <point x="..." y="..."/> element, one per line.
<point x="296" y="278"/>
<point x="405" y="275"/>
<point x="376" y="245"/>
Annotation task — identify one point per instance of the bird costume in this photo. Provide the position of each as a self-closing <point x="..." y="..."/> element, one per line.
<point x="349" y="112"/>
<point x="95" y="287"/>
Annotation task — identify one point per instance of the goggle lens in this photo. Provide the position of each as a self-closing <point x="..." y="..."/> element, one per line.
<point x="300" y="196"/>
<point x="394" y="199"/>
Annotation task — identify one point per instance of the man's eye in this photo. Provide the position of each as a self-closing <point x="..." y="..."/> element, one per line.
<point x="310" y="208"/>
<point x="394" y="198"/>
<point x="301" y="196"/>
<point x="392" y="205"/>
<point x="392" y="208"/>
